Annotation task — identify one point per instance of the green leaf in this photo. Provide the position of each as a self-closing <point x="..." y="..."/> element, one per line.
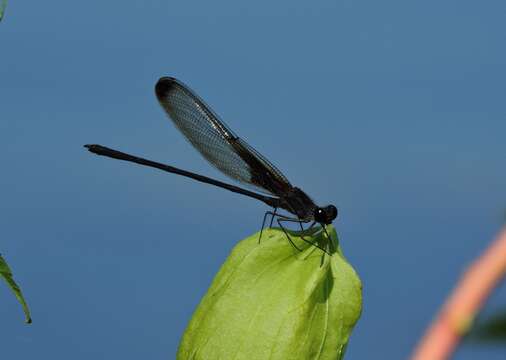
<point x="3" y="5"/>
<point x="6" y="273"/>
<point x="270" y="301"/>
<point x="492" y="329"/>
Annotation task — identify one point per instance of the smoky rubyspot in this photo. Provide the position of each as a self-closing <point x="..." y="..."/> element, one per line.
<point x="223" y="149"/>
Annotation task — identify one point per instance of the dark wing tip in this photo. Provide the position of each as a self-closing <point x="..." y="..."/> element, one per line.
<point x="164" y="85"/>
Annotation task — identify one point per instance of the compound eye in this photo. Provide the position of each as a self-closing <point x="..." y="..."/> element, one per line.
<point x="332" y="211"/>
<point x="319" y="215"/>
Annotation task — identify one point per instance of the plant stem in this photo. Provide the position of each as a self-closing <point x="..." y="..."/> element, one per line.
<point x="457" y="314"/>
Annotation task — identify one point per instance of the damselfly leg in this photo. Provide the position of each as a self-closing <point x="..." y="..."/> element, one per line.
<point x="281" y="219"/>
<point x="267" y="213"/>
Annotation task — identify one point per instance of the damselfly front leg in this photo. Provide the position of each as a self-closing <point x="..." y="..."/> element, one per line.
<point x="281" y="219"/>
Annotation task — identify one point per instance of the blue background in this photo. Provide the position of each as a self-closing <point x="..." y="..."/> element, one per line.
<point x="392" y="110"/>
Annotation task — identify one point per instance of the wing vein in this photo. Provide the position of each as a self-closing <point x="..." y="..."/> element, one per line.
<point x="215" y="141"/>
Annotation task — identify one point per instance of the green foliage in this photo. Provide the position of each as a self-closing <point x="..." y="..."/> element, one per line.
<point x="6" y="273"/>
<point x="3" y="5"/>
<point x="270" y="301"/>
<point x="492" y="329"/>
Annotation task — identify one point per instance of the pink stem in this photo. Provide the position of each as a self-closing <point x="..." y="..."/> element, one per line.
<point x="456" y="316"/>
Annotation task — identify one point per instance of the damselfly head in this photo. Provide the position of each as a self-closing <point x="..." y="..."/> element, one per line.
<point x="325" y="215"/>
